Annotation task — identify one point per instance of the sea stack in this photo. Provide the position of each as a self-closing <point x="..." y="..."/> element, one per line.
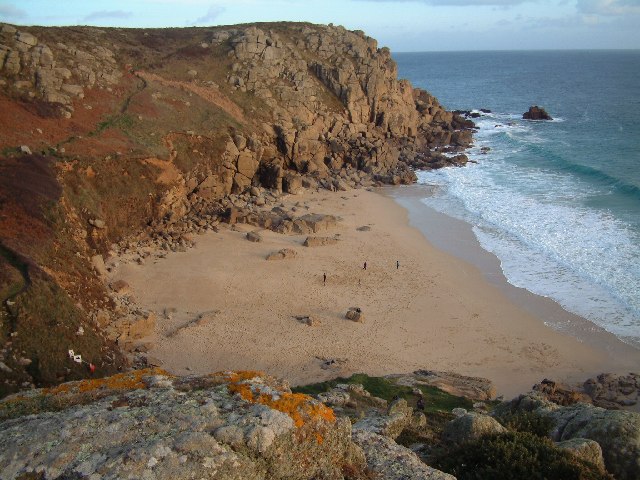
<point x="536" y="113"/>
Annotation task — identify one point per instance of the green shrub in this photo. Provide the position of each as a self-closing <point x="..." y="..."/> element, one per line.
<point x="515" y="455"/>
<point x="530" y="422"/>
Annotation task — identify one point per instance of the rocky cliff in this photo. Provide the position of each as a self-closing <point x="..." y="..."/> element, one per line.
<point x="114" y="138"/>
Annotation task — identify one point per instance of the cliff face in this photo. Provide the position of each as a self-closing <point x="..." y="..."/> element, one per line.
<point x="114" y="134"/>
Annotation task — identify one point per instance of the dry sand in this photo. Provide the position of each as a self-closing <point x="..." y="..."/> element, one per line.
<point x="435" y="311"/>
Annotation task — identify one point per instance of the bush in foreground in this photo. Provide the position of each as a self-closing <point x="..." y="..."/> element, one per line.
<point x="515" y="455"/>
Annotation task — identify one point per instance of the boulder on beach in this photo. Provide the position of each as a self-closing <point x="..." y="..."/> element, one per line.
<point x="355" y="314"/>
<point x="536" y="113"/>
<point x="282" y="254"/>
<point x="319" y="241"/>
<point x="254" y="237"/>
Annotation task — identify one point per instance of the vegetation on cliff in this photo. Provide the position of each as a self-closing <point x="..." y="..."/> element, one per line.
<point x="114" y="137"/>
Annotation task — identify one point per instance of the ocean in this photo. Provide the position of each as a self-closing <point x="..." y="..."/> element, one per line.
<point x="557" y="202"/>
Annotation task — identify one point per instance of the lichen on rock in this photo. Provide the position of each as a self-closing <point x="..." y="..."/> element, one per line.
<point x="149" y="424"/>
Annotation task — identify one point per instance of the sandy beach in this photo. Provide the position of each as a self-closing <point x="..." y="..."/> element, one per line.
<point x="433" y="312"/>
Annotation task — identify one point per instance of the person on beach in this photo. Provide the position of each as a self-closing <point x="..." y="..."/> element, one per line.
<point x="324" y="278"/>
<point x="397" y="264"/>
<point x="365" y="266"/>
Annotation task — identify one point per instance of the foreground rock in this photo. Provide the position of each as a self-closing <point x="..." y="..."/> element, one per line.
<point x="148" y="424"/>
<point x="536" y="113"/>
<point x="584" y="449"/>
<point x="392" y="461"/>
<point x="471" y="426"/>
<point x="617" y="432"/>
<point x="397" y="418"/>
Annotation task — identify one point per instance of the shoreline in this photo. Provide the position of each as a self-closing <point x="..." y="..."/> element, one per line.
<point x="435" y="312"/>
<point x="456" y="237"/>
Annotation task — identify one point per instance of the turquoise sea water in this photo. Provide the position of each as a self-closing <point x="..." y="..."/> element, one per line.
<point x="557" y="202"/>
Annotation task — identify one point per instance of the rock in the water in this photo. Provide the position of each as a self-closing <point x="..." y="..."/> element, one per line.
<point x="536" y="113"/>
<point x="471" y="426"/>
<point x="254" y="237"/>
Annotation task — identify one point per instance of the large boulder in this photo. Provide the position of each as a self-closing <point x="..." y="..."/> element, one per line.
<point x="471" y="426"/>
<point x="314" y="223"/>
<point x="612" y="391"/>
<point x="536" y="113"/>
<point x="319" y="241"/>
<point x="584" y="449"/>
<point x="475" y="388"/>
<point x="149" y="424"/>
<point x="617" y="432"/>
<point x="396" y="419"/>
<point x="390" y="461"/>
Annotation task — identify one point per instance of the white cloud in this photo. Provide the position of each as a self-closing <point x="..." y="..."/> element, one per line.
<point x="609" y="7"/>
<point x="107" y="14"/>
<point x="11" y="12"/>
<point x="212" y="14"/>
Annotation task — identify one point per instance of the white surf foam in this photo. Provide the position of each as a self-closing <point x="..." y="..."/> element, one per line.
<point x="547" y="241"/>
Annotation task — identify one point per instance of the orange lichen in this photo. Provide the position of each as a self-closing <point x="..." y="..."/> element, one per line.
<point x="298" y="406"/>
<point x="123" y="381"/>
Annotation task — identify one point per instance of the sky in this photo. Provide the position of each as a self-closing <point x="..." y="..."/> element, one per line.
<point x="402" y="25"/>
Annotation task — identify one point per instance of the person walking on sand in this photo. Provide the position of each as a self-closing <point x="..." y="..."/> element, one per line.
<point x="397" y="264"/>
<point x="324" y="278"/>
<point x="365" y="266"/>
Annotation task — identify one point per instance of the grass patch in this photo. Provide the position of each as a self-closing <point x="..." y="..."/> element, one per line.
<point x="435" y="399"/>
<point x="123" y="122"/>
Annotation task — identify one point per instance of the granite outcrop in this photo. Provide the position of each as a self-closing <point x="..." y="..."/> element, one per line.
<point x="149" y="136"/>
<point x="616" y="432"/>
<point x="228" y="425"/>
